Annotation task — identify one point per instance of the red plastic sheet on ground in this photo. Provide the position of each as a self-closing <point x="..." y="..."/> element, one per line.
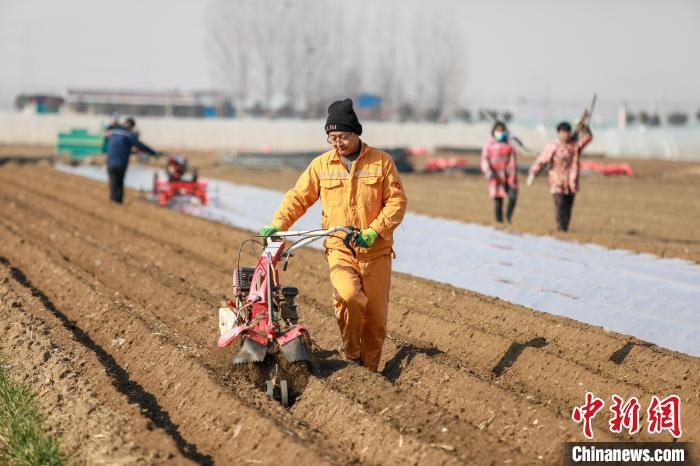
<point x="436" y="164"/>
<point x="608" y="169"/>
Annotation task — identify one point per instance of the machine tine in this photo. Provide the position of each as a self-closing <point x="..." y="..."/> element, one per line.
<point x="251" y="351"/>
<point x="296" y="350"/>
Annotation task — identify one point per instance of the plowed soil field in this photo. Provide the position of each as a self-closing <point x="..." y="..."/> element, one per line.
<point x="110" y="313"/>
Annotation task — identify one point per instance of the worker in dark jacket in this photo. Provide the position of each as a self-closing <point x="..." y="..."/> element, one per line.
<point x="121" y="140"/>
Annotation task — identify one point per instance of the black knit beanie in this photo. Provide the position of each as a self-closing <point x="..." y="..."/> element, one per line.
<point x="341" y="117"/>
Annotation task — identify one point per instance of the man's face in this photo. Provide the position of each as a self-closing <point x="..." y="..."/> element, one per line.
<point x="345" y="142"/>
<point x="564" y="136"/>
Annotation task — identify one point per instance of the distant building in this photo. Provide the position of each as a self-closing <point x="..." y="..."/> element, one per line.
<point x="194" y="104"/>
<point x="38" y="103"/>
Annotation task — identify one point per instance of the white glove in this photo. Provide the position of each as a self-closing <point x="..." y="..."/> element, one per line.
<point x="530" y="179"/>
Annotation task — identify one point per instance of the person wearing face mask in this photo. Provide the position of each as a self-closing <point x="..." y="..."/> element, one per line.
<point x="499" y="165"/>
<point x="563" y="156"/>
<point x="358" y="186"/>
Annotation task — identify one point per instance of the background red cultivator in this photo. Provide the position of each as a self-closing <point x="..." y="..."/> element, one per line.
<point x="262" y="317"/>
<point x="178" y="183"/>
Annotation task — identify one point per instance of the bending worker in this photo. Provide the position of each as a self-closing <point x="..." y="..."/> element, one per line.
<point x="120" y="141"/>
<point x="359" y="186"/>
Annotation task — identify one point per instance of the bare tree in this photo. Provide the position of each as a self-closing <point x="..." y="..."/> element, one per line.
<point x="387" y="70"/>
<point x="301" y="55"/>
<point x="230" y="54"/>
<point x="440" y="59"/>
<point x="447" y="69"/>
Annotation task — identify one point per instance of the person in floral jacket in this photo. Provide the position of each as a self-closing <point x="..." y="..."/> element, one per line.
<point x="563" y="157"/>
<point x="499" y="165"/>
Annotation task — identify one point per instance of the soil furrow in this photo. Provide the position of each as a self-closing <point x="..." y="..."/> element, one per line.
<point x="62" y="242"/>
<point x="76" y="385"/>
<point x="217" y="424"/>
<point x="176" y="308"/>
<point x="596" y="352"/>
<point x="407" y="420"/>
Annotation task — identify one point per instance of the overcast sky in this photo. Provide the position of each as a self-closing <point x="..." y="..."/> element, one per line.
<point x="645" y="51"/>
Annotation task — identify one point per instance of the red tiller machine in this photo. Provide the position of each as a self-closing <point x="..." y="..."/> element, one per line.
<point x="178" y="183"/>
<point x="263" y="312"/>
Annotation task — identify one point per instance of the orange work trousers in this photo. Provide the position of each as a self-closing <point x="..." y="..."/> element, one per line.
<point x="361" y="298"/>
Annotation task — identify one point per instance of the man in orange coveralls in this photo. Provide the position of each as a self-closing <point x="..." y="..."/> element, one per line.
<point x="359" y="186"/>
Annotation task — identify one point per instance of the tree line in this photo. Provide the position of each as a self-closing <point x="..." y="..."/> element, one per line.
<point x="291" y="58"/>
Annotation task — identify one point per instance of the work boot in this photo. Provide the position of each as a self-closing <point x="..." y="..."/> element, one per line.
<point x="355" y="361"/>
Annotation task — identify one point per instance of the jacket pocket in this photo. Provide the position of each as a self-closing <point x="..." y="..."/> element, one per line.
<point x="331" y="193"/>
<point x="371" y="190"/>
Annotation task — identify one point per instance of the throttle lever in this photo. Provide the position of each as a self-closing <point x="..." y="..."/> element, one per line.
<point x="350" y="238"/>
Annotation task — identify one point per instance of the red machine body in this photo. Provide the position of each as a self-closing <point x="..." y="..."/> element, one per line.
<point x="177" y="183"/>
<point x="260" y="317"/>
<point x="263" y="318"/>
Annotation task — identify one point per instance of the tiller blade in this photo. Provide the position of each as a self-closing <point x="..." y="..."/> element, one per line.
<point x="296" y="350"/>
<point x="251" y="351"/>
